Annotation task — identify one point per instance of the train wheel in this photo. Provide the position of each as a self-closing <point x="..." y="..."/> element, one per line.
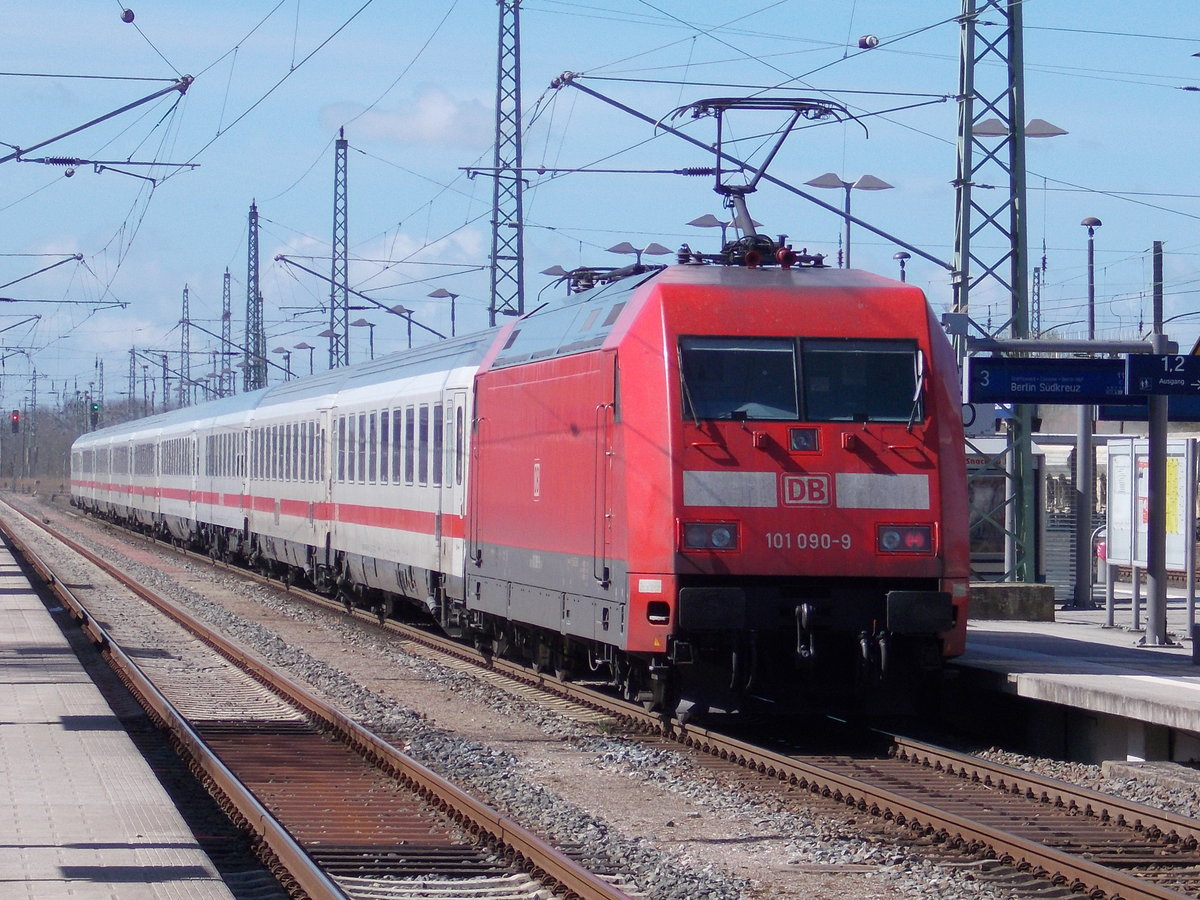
<point x="381" y="610"/>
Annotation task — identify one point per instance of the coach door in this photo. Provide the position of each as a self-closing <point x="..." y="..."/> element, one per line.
<point x="451" y="529"/>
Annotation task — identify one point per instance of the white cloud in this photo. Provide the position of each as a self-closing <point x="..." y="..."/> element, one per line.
<point x="432" y="116"/>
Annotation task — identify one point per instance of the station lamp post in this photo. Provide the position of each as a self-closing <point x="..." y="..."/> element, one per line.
<point x="442" y="294"/>
<point x="363" y="323"/>
<point x="865" y="183"/>
<point x="1084" y="454"/>
<point x="287" y="361"/>
<point x="303" y="345"/>
<point x="332" y="336"/>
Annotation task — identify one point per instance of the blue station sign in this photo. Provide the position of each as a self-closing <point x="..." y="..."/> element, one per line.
<point x="1067" y="381"/>
<point x="1177" y="375"/>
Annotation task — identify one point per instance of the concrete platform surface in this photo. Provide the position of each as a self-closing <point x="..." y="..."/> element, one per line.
<point x="84" y="815"/>
<point x="1080" y="664"/>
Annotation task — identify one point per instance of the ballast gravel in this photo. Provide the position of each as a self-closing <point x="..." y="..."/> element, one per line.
<point x="682" y="831"/>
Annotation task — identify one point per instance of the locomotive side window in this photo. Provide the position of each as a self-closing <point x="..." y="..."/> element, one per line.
<point x="738" y="378"/>
<point x="860" y="381"/>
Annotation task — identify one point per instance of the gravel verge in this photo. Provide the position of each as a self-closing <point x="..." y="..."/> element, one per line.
<point x="688" y="831"/>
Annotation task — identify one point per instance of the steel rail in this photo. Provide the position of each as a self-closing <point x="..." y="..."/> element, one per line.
<point x="1051" y="791"/>
<point x="545" y="860"/>
<point x="297" y="865"/>
<point x="1082" y="874"/>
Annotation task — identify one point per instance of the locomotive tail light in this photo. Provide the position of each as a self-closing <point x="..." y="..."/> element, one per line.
<point x="904" y="538"/>
<point x="709" y="536"/>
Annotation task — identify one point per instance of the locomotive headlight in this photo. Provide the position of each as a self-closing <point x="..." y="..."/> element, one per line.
<point x="710" y="536"/>
<point x="904" y="538"/>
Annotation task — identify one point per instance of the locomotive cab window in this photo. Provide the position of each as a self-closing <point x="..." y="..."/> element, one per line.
<point x="861" y="381"/>
<point x="738" y="378"/>
<point x="814" y="380"/>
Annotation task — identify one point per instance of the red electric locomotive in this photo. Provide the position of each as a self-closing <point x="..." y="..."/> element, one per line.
<point x="719" y="482"/>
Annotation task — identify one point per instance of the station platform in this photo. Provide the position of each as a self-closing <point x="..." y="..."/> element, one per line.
<point x="1102" y="693"/>
<point x="86" y="817"/>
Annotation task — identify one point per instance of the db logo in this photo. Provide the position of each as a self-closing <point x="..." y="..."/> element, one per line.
<point x="806" y="490"/>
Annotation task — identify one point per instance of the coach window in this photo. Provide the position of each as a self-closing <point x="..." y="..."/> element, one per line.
<point x="860" y="381"/>
<point x="351" y="446"/>
<point x="384" y="455"/>
<point x="423" y="444"/>
<point x="738" y="378"/>
<point x="409" y="443"/>
<point x="373" y="448"/>
<point x="458" y="445"/>
<point x="339" y="449"/>
<point x="310" y="450"/>
<point x="362" y="447"/>
<point x="294" y="428"/>
<point x="397" y="443"/>
<point x="438" y="443"/>
<point x="306" y="451"/>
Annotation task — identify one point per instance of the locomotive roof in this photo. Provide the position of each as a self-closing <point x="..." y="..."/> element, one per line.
<point x="585" y="320"/>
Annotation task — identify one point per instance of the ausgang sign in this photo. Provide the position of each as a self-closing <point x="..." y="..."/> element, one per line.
<point x="1162" y="374"/>
<point x="1000" y="379"/>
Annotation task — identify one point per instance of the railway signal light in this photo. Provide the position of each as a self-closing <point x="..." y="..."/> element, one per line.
<point x="15" y="418"/>
<point x="94" y="414"/>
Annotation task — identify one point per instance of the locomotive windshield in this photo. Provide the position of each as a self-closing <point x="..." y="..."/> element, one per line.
<point x="769" y="379"/>
<point x="739" y="378"/>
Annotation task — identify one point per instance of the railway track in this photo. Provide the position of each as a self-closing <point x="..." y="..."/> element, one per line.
<point x="1087" y="843"/>
<point x="335" y="810"/>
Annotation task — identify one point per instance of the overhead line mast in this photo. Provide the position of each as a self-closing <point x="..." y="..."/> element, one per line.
<point x="508" y="225"/>
<point x="185" y="352"/>
<point x="225" y="382"/>
<point x="254" y="360"/>
<point x="339" y="278"/>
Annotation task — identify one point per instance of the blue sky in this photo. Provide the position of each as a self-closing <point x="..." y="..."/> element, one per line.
<point x="414" y="87"/>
